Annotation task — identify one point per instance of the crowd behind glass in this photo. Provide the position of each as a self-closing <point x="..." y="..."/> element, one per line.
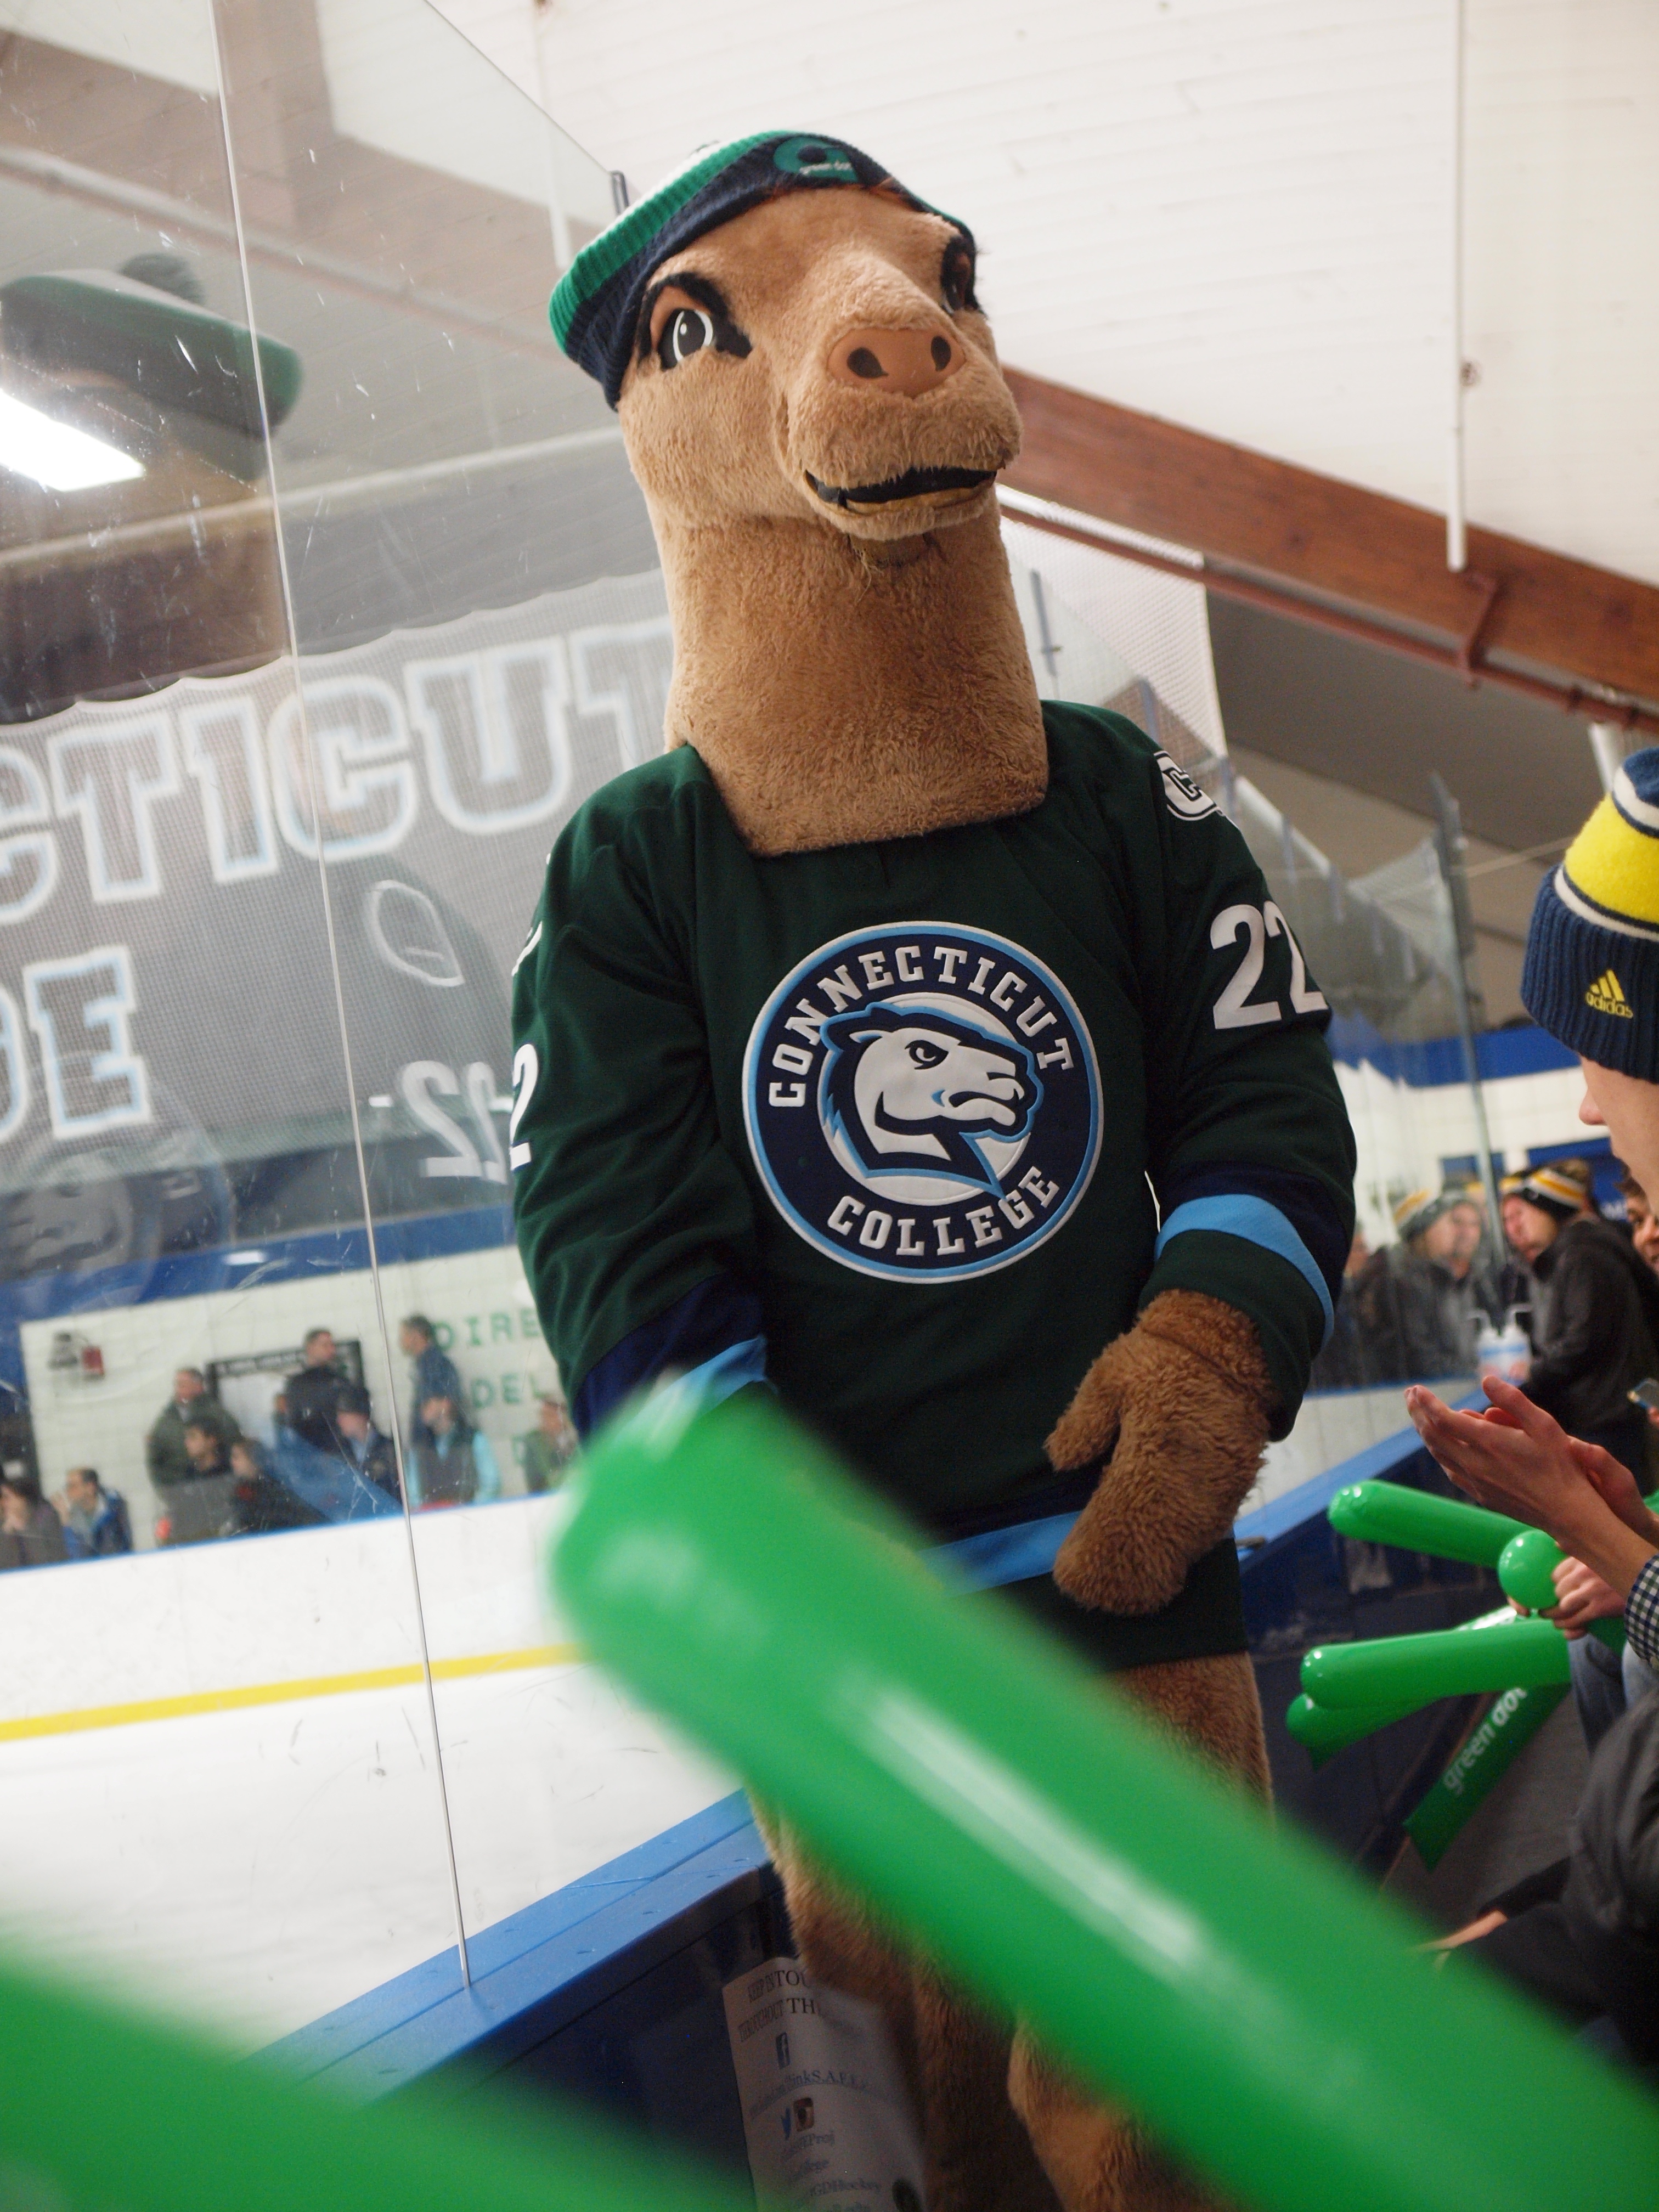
<point x="323" y="1457"/>
<point x="1565" y="1299"/>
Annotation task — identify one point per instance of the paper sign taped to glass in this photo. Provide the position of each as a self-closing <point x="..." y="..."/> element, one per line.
<point x="825" y="2111"/>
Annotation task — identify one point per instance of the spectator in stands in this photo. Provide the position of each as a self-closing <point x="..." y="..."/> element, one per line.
<point x="96" y="1523"/>
<point x="1341" y="1365"/>
<point x="1605" y="1683"/>
<point x="1591" y="979"/>
<point x="1593" y="1327"/>
<point x="201" y="1507"/>
<point x="1644" y="1226"/>
<point x="313" y="1394"/>
<point x="1518" y="1293"/>
<point x="261" y="1502"/>
<point x="457" y="1466"/>
<point x="1416" y="1306"/>
<point x="1582" y="1937"/>
<point x="165" y="1456"/>
<point x="550" y="1445"/>
<point x="434" y="1373"/>
<point x="31" y="1534"/>
<point x="362" y="1447"/>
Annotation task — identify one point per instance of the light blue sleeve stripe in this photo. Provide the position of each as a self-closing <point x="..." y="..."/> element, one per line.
<point x="1237" y="1215"/>
<point x="998" y="1556"/>
<point x="730" y="1371"/>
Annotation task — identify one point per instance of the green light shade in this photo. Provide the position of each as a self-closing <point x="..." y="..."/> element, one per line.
<point x="172" y="350"/>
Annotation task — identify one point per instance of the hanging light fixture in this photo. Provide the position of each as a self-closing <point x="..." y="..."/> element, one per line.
<point x="57" y="454"/>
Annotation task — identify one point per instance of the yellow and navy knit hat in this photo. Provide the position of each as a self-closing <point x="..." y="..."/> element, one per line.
<point x="1560" y="1186"/>
<point x="595" y="303"/>
<point x="1592" y="972"/>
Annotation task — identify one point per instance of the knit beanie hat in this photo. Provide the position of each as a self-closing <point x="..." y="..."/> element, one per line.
<point x="595" y="303"/>
<point x="1592" y="972"/>
<point x="1561" y="1189"/>
<point x="1420" y="1209"/>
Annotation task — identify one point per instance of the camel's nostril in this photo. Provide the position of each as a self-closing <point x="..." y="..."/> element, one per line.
<point x="899" y="362"/>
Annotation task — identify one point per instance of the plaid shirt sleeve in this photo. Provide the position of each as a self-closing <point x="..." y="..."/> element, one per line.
<point x="1642" y="1613"/>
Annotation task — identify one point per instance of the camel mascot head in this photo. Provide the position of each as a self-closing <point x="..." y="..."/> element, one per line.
<point x="811" y="403"/>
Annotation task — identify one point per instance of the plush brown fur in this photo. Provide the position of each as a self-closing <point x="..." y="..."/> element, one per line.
<point x="847" y="676"/>
<point x="1181" y="1403"/>
<point x="850" y="673"/>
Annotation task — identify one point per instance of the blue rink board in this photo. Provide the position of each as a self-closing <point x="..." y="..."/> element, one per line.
<point x="609" y="1988"/>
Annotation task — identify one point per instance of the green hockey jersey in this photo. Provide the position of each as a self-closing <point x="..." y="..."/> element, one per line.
<point x="909" y="1129"/>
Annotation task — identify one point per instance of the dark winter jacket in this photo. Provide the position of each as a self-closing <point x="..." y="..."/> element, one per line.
<point x="436" y="1375"/>
<point x="448" y="1470"/>
<point x="165" y="1456"/>
<point x="41" y="1545"/>
<point x="1593" y="1951"/>
<point x="456" y="1469"/>
<point x="311" y="1400"/>
<point x="1594" y="1328"/>
<point x="1413" y="1321"/>
<point x="378" y="1464"/>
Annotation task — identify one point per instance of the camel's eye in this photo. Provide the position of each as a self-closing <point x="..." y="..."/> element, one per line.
<point x="687" y="331"/>
<point x="924" y="1055"/>
<point x="956" y="277"/>
<point x="683" y="315"/>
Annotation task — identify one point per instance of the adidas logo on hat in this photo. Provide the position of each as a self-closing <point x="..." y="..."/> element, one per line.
<point x="1607" y="997"/>
<point x="1597" y="924"/>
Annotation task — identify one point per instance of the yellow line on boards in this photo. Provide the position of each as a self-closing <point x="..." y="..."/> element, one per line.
<point x="279" y="1693"/>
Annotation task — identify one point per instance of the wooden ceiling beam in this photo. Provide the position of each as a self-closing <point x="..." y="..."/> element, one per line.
<point x="1316" y="533"/>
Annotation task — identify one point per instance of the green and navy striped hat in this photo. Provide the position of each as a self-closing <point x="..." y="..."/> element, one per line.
<point x="595" y="303"/>
<point x="1592" y="972"/>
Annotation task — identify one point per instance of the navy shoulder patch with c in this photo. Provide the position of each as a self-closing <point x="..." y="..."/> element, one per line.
<point x="922" y="1102"/>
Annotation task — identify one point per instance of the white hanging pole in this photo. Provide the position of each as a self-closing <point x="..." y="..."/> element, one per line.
<point x="1457" y="551"/>
<point x="1607" y="743"/>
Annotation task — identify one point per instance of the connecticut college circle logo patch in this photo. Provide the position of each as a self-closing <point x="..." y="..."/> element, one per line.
<point x="922" y="1102"/>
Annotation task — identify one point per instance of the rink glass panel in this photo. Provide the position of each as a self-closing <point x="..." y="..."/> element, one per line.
<point x="179" y="1186"/>
<point x="292" y="716"/>
<point x="483" y="641"/>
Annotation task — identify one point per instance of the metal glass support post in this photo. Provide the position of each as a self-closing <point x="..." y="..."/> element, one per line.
<point x="1457" y="555"/>
<point x="1607" y="741"/>
<point x="1448" y="847"/>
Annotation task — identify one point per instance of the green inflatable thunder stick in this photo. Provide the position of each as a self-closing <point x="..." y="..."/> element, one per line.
<point x="174" y="2126"/>
<point x="1265" y="2016"/>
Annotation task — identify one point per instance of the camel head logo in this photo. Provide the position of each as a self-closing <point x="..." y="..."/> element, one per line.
<point x="915" y="1090"/>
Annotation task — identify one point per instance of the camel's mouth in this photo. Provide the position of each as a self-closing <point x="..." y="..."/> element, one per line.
<point x="936" y="486"/>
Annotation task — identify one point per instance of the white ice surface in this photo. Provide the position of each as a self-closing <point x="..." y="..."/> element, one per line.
<point x="254" y="1869"/>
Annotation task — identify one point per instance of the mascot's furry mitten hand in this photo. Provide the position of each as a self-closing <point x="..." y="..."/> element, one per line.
<point x="1181" y="1403"/>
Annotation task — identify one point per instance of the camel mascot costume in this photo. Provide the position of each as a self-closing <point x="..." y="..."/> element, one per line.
<point x="929" y="1054"/>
